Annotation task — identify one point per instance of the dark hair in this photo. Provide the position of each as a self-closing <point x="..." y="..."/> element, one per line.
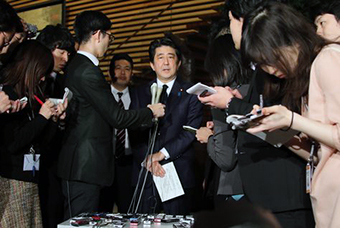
<point x="116" y="57"/>
<point x="56" y="36"/>
<point x="88" y="22"/>
<point x="239" y="8"/>
<point x="166" y="41"/>
<point x="29" y="62"/>
<point x="268" y="29"/>
<point x="9" y="20"/>
<point x="223" y="62"/>
<point x="326" y="6"/>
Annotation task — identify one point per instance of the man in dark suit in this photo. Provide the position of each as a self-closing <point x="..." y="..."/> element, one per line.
<point x="86" y="160"/>
<point x="273" y="178"/>
<point x="172" y="142"/>
<point x="60" y="41"/>
<point x="121" y="191"/>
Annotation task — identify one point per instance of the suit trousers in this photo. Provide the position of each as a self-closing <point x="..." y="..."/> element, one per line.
<point x="151" y="202"/>
<point x="80" y="197"/>
<point x="121" y="191"/>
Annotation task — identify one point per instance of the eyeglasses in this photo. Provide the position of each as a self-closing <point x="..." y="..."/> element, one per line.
<point x="111" y="36"/>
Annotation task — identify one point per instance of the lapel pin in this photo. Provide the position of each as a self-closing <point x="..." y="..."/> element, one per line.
<point x="180" y="92"/>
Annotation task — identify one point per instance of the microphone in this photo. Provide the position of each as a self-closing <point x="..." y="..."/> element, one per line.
<point x="158" y="96"/>
<point x="153" y="92"/>
<point x="155" y="95"/>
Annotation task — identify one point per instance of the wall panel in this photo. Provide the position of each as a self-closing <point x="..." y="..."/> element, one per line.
<point x="137" y="22"/>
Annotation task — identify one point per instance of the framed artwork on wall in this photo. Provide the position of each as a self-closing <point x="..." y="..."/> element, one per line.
<point x="42" y="14"/>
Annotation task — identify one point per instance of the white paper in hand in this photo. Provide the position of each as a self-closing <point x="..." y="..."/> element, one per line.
<point x="169" y="186"/>
<point x="200" y="88"/>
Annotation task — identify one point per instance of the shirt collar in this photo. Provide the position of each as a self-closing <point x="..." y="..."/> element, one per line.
<point x="90" y="56"/>
<point x="115" y="91"/>
<point x="53" y="75"/>
<point x="169" y="84"/>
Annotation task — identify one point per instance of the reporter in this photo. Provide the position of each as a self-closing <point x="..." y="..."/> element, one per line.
<point x="23" y="133"/>
<point x="305" y="72"/>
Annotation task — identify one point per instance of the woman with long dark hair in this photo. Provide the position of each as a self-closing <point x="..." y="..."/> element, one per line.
<point x="22" y="133"/>
<point x="305" y="74"/>
<point x="223" y="62"/>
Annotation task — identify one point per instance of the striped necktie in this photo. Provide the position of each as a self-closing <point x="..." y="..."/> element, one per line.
<point x="120" y="135"/>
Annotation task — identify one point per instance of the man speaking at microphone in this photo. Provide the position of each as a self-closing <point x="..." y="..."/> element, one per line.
<point x="172" y="142"/>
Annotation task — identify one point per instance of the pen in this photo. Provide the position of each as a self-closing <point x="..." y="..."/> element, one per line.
<point x="37" y="99"/>
<point x="261" y="105"/>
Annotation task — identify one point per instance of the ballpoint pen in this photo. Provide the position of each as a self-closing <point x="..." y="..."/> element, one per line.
<point x="37" y="99"/>
<point x="259" y="111"/>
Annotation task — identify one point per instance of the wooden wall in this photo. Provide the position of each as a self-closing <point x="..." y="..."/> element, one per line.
<point x="137" y="22"/>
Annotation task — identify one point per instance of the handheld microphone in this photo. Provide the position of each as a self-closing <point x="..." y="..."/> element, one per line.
<point x="153" y="93"/>
<point x="159" y="92"/>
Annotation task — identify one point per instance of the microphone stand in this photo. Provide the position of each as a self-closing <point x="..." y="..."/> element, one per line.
<point x="151" y="146"/>
<point x="156" y="92"/>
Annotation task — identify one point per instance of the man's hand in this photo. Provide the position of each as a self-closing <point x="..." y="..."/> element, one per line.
<point x="159" y="156"/>
<point x="156" y="169"/>
<point x="158" y="110"/>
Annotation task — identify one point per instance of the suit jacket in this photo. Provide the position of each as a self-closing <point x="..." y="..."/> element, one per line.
<point x="181" y="109"/>
<point x="87" y="154"/>
<point x="19" y="131"/>
<point x="221" y="149"/>
<point x="272" y="177"/>
<point x="54" y="87"/>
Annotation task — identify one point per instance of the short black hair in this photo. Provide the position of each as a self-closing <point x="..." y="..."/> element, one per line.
<point x="224" y="64"/>
<point x="166" y="41"/>
<point x="9" y="19"/>
<point x="116" y="57"/>
<point x="88" y="22"/>
<point x="239" y="8"/>
<point x="56" y="36"/>
<point x="326" y="6"/>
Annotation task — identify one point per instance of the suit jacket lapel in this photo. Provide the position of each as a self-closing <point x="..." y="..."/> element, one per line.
<point x="174" y="98"/>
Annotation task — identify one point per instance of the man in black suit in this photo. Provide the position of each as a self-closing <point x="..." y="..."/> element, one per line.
<point x="273" y="178"/>
<point x="60" y="41"/>
<point x="121" y="191"/>
<point x="86" y="160"/>
<point x="172" y="142"/>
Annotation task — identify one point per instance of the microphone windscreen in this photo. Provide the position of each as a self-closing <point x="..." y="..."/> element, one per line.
<point x="153" y="92"/>
<point x="159" y="92"/>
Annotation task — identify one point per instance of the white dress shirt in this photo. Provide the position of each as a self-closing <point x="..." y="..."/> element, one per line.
<point x="170" y="85"/>
<point x="126" y="102"/>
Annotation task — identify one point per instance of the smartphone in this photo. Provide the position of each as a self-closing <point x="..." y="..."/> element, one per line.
<point x="23" y="100"/>
<point x="205" y="93"/>
<point x="190" y="129"/>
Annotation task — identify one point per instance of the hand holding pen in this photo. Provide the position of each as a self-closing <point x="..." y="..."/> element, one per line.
<point x="48" y="109"/>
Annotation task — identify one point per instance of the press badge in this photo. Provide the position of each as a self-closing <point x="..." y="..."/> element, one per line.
<point x="310" y="168"/>
<point x="31" y="162"/>
<point x="309" y="175"/>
